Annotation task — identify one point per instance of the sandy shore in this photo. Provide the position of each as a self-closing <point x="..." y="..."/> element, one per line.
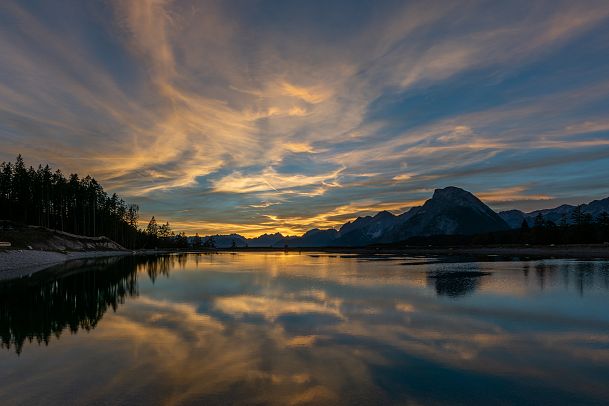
<point x="18" y="263"/>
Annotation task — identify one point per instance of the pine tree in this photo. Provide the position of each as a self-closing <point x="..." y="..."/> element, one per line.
<point x="152" y="229"/>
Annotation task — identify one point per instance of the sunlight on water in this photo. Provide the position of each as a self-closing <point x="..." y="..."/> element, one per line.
<point x="306" y="329"/>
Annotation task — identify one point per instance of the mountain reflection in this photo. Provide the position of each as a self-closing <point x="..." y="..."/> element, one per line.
<point x="71" y="297"/>
<point x="455" y="284"/>
<point x="459" y="280"/>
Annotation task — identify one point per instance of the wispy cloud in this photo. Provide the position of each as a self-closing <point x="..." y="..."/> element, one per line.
<point x="198" y="109"/>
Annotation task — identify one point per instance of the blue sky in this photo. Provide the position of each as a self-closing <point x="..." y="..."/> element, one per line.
<point x="255" y="116"/>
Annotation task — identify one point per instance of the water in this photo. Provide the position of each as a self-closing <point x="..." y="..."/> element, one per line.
<point x="275" y="328"/>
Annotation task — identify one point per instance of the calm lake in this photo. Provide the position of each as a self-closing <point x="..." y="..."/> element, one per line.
<point x="290" y="328"/>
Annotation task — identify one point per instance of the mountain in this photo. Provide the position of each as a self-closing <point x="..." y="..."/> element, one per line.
<point x="450" y="211"/>
<point x="557" y="214"/>
<point x="596" y="207"/>
<point x="513" y="218"/>
<point x="365" y="230"/>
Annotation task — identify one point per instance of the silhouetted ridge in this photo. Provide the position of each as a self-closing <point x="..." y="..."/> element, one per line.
<point x="563" y="214"/>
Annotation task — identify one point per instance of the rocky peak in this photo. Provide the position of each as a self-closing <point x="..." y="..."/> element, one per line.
<point x="382" y="215"/>
<point x="455" y="195"/>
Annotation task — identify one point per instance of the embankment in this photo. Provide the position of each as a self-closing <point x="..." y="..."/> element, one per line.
<point x="18" y="263"/>
<point x="34" y="248"/>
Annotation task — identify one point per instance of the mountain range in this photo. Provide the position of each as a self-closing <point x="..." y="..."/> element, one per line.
<point x="515" y="217"/>
<point x="450" y="211"/>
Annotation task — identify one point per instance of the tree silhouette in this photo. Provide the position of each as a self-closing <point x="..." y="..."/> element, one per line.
<point x="210" y="242"/>
<point x="43" y="197"/>
<point x="196" y="241"/>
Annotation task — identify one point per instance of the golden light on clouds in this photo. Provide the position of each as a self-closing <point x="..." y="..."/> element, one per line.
<point x="313" y="95"/>
<point x="204" y="108"/>
<point x="511" y="194"/>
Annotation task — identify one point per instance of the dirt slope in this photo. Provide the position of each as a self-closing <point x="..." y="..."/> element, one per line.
<point x="40" y="238"/>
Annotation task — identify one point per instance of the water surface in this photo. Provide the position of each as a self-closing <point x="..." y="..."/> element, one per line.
<point x="289" y="328"/>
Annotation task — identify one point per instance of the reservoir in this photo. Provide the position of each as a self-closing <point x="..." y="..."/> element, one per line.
<point x="307" y="328"/>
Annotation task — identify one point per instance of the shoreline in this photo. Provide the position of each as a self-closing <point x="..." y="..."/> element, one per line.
<point x="20" y="263"/>
<point x="599" y="251"/>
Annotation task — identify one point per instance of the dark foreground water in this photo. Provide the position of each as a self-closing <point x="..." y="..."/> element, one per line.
<point x="275" y="328"/>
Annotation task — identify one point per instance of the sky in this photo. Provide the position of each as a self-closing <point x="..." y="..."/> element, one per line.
<point x="261" y="116"/>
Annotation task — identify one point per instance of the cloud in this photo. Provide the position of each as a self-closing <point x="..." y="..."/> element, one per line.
<point x="511" y="194"/>
<point x="311" y="95"/>
<point x="298" y="147"/>
<point x="271" y="181"/>
<point x="271" y="308"/>
<point x="159" y="99"/>
<point x="403" y="177"/>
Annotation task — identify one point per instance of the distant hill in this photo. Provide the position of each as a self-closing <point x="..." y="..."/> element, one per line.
<point x="515" y="217"/>
<point x="313" y="238"/>
<point x="266" y="240"/>
<point x="224" y="241"/>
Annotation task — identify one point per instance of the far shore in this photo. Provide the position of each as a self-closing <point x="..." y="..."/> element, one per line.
<point x="578" y="251"/>
<point x="19" y="263"/>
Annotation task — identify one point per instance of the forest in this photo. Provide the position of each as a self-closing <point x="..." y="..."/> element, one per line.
<point x="78" y="205"/>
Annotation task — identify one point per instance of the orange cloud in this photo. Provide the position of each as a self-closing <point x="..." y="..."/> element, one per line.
<point x="511" y="194"/>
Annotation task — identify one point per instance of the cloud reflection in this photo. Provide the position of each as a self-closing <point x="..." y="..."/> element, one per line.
<point x="292" y="329"/>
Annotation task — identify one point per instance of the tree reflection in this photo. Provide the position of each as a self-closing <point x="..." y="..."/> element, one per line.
<point x="545" y="273"/>
<point x="579" y="275"/>
<point x="73" y="296"/>
<point x="584" y="276"/>
<point x="155" y="266"/>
